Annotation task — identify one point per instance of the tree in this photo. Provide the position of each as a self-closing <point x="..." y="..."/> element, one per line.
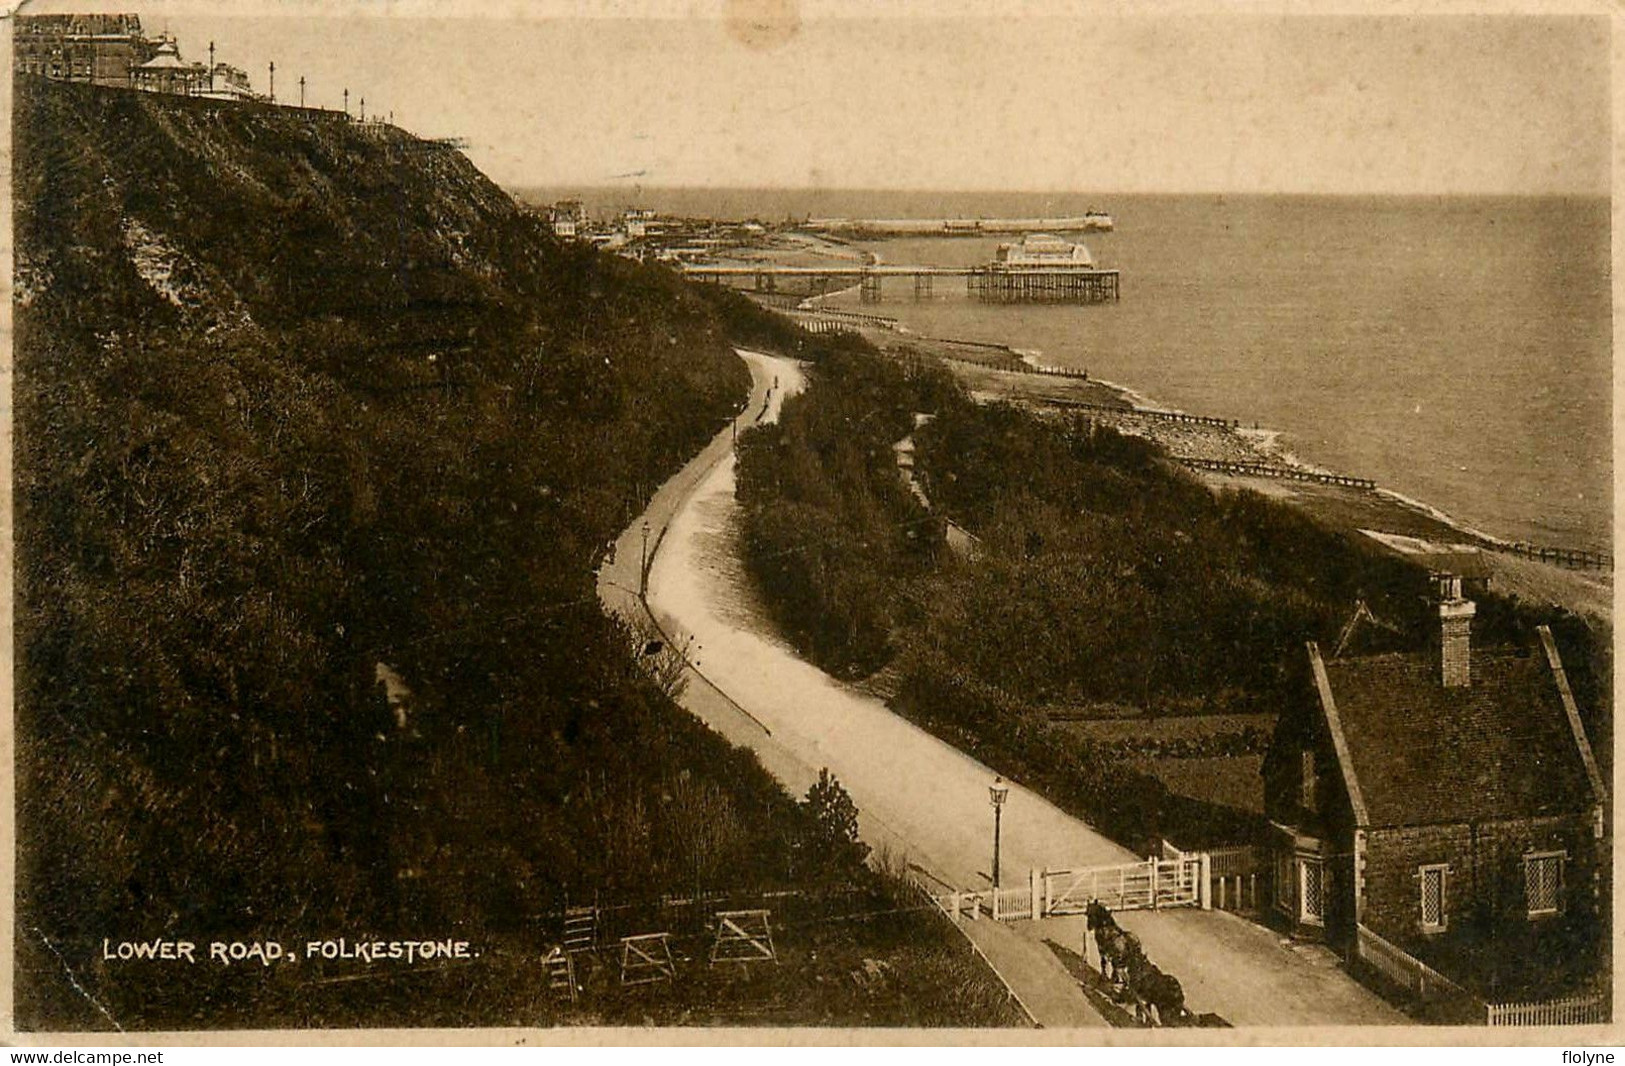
<point x="832" y="842"/>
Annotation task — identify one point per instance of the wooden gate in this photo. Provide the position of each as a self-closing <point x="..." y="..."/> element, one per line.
<point x="1148" y="885"/>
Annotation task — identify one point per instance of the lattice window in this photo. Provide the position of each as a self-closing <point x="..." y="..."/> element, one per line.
<point x="1313" y="890"/>
<point x="1543" y="882"/>
<point x="1432" y="879"/>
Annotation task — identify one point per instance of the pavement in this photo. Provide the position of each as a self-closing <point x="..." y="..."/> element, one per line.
<point x="918" y="798"/>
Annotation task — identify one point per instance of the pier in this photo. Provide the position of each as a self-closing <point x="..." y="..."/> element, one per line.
<point x="1090" y="222"/>
<point x="992" y="283"/>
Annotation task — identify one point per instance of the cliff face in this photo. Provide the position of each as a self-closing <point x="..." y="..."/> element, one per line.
<point x="295" y="399"/>
<point x="218" y="209"/>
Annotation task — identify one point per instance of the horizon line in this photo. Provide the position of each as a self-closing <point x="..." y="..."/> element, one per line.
<point x="928" y="190"/>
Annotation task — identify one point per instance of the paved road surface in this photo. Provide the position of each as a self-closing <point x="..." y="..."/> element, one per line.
<point x="920" y="796"/>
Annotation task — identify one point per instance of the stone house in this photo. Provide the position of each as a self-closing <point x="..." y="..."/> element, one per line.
<point x="1447" y="801"/>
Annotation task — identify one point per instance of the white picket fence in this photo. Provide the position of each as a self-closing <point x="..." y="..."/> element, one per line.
<point x="1574" y="1010"/>
<point x="1404" y="969"/>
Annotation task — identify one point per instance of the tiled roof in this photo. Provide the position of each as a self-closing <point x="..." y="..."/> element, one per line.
<point x="1426" y="754"/>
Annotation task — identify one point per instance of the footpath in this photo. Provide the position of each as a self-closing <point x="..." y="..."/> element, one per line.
<point x="1032" y="973"/>
<point x="921" y="800"/>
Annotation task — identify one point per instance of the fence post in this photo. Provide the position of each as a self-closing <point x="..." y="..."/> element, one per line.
<point x="995" y="891"/>
<point x="1032" y="882"/>
<point x="959" y="913"/>
<point x="1049" y="903"/>
<point x="1207" y="882"/>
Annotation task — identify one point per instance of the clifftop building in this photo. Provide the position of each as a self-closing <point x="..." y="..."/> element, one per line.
<point x="99" y="49"/>
<point x="113" y="50"/>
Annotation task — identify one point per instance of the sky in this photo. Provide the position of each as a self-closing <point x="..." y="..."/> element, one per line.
<point x="775" y="93"/>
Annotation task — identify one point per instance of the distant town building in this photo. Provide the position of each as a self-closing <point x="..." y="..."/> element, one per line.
<point x="567" y="217"/>
<point x="98" y="49"/>
<point x="1044" y="249"/>
<point x="1448" y="802"/>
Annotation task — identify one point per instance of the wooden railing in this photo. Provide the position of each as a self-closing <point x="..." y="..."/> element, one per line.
<point x="1442" y="998"/>
<point x="1575" y="1010"/>
<point x="1233" y="877"/>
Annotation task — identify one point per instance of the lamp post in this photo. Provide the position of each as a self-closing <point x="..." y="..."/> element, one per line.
<point x="273" y="82"/>
<point x="998" y="791"/>
<point x="643" y="568"/>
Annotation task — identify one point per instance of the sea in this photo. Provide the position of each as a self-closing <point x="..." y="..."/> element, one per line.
<point x="1455" y="349"/>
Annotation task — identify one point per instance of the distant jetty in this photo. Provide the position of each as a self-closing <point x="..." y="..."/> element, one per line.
<point x="1089" y="222"/>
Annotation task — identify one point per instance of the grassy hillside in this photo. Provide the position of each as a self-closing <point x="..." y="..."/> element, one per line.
<point x="301" y="405"/>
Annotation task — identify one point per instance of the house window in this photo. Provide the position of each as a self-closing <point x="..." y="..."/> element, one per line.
<point x="1312" y="908"/>
<point x="1283" y="881"/>
<point x="1434" y="915"/>
<point x="1543" y="882"/>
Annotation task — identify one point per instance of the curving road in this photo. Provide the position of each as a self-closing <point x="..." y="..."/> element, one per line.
<point x="918" y="796"/>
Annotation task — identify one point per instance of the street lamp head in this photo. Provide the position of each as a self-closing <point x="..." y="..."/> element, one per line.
<point x="999" y="791"/>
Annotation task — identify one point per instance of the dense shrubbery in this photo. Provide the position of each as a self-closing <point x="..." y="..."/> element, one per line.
<point x="294" y="402"/>
<point x="1105" y="577"/>
<point x="1109" y="575"/>
<point x="829" y="526"/>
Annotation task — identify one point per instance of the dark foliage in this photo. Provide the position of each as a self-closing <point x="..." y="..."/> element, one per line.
<point x="830" y="528"/>
<point x="1105" y="577"/>
<point x="832" y="843"/>
<point x="296" y="399"/>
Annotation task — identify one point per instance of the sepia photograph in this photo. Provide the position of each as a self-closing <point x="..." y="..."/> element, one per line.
<point x="1059" y="523"/>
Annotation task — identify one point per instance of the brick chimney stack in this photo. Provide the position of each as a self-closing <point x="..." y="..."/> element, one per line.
<point x="1455" y="632"/>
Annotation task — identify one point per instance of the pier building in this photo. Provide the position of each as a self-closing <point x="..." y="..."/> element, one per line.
<point x="1043" y="249"/>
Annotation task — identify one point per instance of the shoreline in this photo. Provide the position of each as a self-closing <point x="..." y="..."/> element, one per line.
<point x="1226" y="454"/>
<point x="1265" y="441"/>
<point x="1262" y="441"/>
<point x="1255" y="451"/>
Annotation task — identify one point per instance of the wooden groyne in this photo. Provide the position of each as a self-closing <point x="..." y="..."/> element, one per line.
<point x="1275" y="470"/>
<point x="1053" y="371"/>
<point x="826" y="321"/>
<point x="1140" y="412"/>
<point x="1572" y="558"/>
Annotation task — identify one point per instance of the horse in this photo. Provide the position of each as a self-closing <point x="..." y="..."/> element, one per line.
<point x="1163" y="998"/>
<point x="1120" y="951"/>
<point x="1108" y="937"/>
